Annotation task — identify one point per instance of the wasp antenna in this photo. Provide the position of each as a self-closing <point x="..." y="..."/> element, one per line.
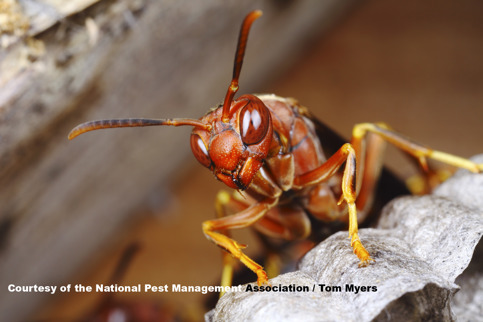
<point x="136" y="122"/>
<point x="239" y="54"/>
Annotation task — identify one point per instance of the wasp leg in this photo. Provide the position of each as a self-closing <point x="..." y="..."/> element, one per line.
<point x="281" y="223"/>
<point x="213" y="228"/>
<point x="224" y="203"/>
<point x="369" y="139"/>
<point x="345" y="154"/>
<point x="368" y="171"/>
<point x="416" y="150"/>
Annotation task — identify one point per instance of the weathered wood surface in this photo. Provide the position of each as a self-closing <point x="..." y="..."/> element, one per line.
<point x="59" y="200"/>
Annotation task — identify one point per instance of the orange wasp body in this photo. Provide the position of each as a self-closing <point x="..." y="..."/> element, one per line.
<point x="266" y="147"/>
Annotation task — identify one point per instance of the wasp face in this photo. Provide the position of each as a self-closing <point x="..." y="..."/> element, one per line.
<point x="235" y="150"/>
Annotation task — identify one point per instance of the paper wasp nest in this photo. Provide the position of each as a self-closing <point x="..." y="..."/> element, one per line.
<point x="423" y="248"/>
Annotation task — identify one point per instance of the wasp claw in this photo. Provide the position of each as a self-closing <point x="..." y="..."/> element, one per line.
<point x="366" y="262"/>
<point x="262" y="278"/>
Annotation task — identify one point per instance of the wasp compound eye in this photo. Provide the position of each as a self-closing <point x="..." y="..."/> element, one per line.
<point x="199" y="150"/>
<point x="254" y="122"/>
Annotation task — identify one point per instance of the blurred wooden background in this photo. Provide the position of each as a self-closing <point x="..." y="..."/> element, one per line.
<point x="68" y="209"/>
<point x="64" y="63"/>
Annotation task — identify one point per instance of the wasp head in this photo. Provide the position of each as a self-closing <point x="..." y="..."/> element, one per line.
<point x="234" y="150"/>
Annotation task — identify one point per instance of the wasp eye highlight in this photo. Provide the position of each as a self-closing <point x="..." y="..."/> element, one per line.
<point x="199" y="150"/>
<point x="254" y="123"/>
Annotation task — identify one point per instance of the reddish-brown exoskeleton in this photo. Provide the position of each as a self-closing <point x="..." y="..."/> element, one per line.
<point x="266" y="147"/>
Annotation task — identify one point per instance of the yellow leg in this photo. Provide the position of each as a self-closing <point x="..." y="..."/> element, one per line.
<point x="356" y="244"/>
<point x="213" y="230"/>
<point x="418" y="151"/>
<point x="346" y="154"/>
<point x="223" y="198"/>
<point x="222" y="201"/>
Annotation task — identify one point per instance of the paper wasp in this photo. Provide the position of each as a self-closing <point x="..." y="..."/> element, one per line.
<point x="266" y="147"/>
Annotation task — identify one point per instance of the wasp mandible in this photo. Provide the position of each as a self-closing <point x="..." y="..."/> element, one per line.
<point x="266" y="148"/>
